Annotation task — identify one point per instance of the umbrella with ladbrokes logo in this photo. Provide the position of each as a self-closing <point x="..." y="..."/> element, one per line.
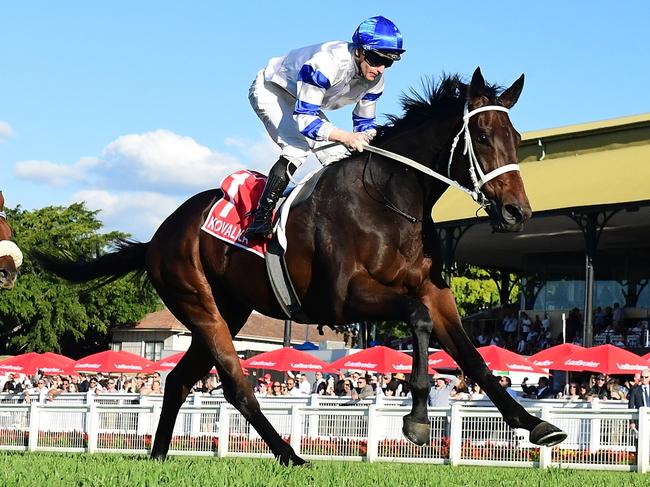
<point x="606" y="359"/>
<point x="379" y="359"/>
<point x="285" y="359"/>
<point x="111" y="361"/>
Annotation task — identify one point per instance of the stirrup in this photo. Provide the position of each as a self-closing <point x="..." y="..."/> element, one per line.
<point x="259" y="230"/>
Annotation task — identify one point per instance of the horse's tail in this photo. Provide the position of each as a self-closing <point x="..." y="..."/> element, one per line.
<point x="129" y="257"/>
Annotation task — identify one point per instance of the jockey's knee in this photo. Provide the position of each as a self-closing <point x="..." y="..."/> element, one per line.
<point x="294" y="157"/>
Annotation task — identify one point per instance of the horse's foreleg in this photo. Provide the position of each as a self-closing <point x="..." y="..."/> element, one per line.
<point x="196" y="363"/>
<point x="416" y="426"/>
<point x="374" y="299"/>
<point x="449" y="331"/>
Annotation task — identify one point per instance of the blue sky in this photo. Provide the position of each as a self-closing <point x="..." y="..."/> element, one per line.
<point x="135" y="106"/>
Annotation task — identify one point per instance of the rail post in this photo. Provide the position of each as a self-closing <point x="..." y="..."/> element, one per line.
<point x="92" y="427"/>
<point x="545" y="452"/>
<point x="455" y="434"/>
<point x="224" y="426"/>
<point x="375" y="431"/>
<point x="643" y="442"/>
<point x="296" y="428"/>
<point x="34" y="423"/>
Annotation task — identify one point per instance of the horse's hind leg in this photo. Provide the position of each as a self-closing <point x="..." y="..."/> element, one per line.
<point x="242" y="397"/>
<point x="449" y="330"/>
<point x="208" y="324"/>
<point x="196" y="363"/>
<point x="238" y="392"/>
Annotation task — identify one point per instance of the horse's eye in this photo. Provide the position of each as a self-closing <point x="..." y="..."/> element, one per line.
<point x="483" y="138"/>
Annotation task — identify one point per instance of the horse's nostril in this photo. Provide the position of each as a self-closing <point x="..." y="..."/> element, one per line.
<point x="513" y="213"/>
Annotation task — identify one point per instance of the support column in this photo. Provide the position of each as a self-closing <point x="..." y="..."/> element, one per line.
<point x="287" y="334"/>
<point x="363" y="335"/>
<point x="592" y="226"/>
<point x="450" y="237"/>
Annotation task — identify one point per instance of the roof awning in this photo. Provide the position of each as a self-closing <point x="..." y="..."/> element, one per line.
<point x="595" y="178"/>
<point x="600" y="166"/>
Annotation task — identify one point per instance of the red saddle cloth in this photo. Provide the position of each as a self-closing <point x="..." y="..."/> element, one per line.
<point x="230" y="216"/>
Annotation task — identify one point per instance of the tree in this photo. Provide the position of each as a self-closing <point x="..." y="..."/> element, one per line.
<point x="44" y="313"/>
<point x="474" y="290"/>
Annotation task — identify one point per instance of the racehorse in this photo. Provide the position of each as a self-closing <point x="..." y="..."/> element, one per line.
<point x="11" y="257"/>
<point x="362" y="247"/>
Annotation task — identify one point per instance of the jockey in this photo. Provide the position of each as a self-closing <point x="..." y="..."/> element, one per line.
<point x="289" y="94"/>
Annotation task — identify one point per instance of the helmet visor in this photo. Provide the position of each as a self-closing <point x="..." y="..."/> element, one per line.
<point x="378" y="58"/>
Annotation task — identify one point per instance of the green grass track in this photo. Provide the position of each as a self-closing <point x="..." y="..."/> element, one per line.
<point x="68" y="470"/>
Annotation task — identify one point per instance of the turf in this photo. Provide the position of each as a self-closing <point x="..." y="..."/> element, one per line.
<point x="50" y="469"/>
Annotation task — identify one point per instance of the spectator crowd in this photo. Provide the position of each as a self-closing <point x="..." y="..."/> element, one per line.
<point x="525" y="335"/>
<point x="354" y="384"/>
<point x="42" y="387"/>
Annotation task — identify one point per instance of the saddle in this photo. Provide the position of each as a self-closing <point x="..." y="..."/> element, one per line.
<point x="229" y="217"/>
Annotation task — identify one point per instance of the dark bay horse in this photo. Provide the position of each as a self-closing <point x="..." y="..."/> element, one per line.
<point x="361" y="248"/>
<point x="10" y="255"/>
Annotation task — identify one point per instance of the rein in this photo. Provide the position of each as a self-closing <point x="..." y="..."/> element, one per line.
<point x="386" y="202"/>
<point x="478" y="177"/>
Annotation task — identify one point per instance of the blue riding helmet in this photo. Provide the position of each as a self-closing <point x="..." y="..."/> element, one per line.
<point x="379" y="34"/>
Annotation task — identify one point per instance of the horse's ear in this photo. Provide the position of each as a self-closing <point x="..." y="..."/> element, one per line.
<point x="2" y="200"/>
<point x="477" y="86"/>
<point x="510" y="96"/>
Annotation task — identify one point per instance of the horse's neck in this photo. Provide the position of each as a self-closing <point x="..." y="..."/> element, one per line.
<point x="429" y="146"/>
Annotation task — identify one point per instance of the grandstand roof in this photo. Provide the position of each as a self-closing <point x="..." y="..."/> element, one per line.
<point x="588" y="167"/>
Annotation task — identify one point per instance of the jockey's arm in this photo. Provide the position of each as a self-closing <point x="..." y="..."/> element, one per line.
<point x="351" y="140"/>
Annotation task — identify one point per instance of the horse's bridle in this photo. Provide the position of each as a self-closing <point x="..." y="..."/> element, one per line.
<point x="3" y="215"/>
<point x="478" y="177"/>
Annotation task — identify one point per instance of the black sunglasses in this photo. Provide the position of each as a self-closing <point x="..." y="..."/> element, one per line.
<point x="375" y="59"/>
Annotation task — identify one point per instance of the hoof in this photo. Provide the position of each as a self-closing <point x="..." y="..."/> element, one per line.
<point x="293" y="461"/>
<point x="417" y="433"/>
<point x="545" y="434"/>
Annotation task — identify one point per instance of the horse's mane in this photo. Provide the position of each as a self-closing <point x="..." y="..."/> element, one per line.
<point x="436" y="98"/>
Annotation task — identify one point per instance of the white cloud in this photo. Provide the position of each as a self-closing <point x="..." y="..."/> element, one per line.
<point x="163" y="160"/>
<point x="140" y="179"/>
<point x="259" y="155"/>
<point x="52" y="173"/>
<point x="139" y="213"/>
<point x="6" y="132"/>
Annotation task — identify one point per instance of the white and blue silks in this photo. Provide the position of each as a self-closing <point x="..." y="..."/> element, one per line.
<point x="291" y="92"/>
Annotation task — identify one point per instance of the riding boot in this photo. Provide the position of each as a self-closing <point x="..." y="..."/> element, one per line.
<point x="276" y="183"/>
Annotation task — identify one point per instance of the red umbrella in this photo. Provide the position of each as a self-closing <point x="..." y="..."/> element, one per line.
<point x="287" y="358"/>
<point x="554" y="357"/>
<point x="606" y="359"/>
<point x="442" y="360"/>
<point x="111" y="361"/>
<point x="377" y="359"/>
<point x="168" y="363"/>
<point x="496" y="358"/>
<point x="30" y="363"/>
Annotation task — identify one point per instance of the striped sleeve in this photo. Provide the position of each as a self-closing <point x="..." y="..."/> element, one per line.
<point x="363" y="115"/>
<point x="314" y="79"/>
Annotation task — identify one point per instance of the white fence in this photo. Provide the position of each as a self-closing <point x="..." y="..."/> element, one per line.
<point x="318" y="428"/>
